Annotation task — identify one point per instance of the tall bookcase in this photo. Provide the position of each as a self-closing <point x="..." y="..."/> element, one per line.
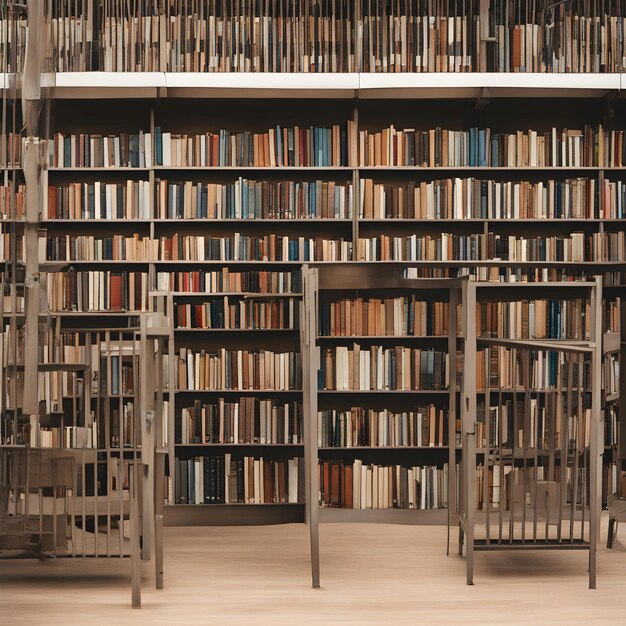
<point x="197" y="114"/>
<point x="372" y="97"/>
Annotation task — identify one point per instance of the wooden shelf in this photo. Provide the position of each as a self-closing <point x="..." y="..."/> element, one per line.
<point x="383" y="516"/>
<point x="90" y="85"/>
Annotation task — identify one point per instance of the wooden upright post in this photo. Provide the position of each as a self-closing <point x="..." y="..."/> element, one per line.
<point x="33" y="166"/>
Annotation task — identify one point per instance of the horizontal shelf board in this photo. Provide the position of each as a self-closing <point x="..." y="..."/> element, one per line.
<point x="238" y="391"/>
<point x="383" y="516"/>
<point x="382" y="337"/>
<point x="237" y="330"/>
<point x="119" y="220"/>
<point x="239" y="504"/>
<point x="341" y="85"/>
<point x="250" y="220"/>
<point x="120" y="168"/>
<point x="236" y="294"/>
<point x="356" y="449"/>
<point x="483" y="168"/>
<point x="239" y="445"/>
<point x="385" y="391"/>
<point x="490" y="220"/>
<point x="541" y="544"/>
<point x="253" y="168"/>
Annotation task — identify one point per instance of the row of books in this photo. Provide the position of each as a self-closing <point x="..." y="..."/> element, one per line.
<point x="577" y="36"/>
<point x="331" y="35"/>
<point x="10" y="149"/>
<point x="91" y="248"/>
<point x="96" y="150"/>
<point x="360" y="427"/>
<point x="239" y="247"/>
<point x="404" y="315"/>
<point x="534" y="319"/>
<point x="276" y="147"/>
<point x="99" y="200"/>
<point x="359" y="485"/>
<point x="577" y="248"/>
<point x="10" y="249"/>
<point x="208" y="36"/>
<point x="69" y="437"/>
<point x="453" y="198"/>
<point x="484" y="147"/>
<point x="12" y="39"/>
<point x="242" y="314"/>
<point x="228" y="480"/>
<point x="471" y="198"/>
<point x="242" y="247"/>
<point x="407" y="316"/>
<point x="7" y="209"/>
<point x="502" y="368"/>
<point x="96" y="290"/>
<point x="338" y="146"/>
<point x="530" y="425"/>
<point x="226" y="280"/>
<point x="245" y="421"/>
<point x="249" y="199"/>
<point x="239" y="369"/>
<point x="370" y="368"/>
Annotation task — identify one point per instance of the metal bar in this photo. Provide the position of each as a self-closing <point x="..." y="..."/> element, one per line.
<point x="595" y="429"/>
<point x="452" y="351"/>
<point x="135" y="561"/>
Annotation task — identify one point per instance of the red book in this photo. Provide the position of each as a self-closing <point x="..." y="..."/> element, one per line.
<point x="116" y="292"/>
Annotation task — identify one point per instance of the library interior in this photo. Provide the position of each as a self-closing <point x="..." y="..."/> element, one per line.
<point x="314" y="311"/>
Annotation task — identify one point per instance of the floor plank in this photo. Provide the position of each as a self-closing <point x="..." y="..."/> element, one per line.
<point x="371" y="574"/>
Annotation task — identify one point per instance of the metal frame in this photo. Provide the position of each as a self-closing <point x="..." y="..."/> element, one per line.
<point x="591" y="351"/>
<point x="338" y="276"/>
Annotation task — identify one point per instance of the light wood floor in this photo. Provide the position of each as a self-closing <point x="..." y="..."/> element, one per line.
<point x="371" y="574"/>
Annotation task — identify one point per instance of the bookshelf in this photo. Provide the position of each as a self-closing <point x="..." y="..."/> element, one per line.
<point x="178" y="101"/>
<point x="514" y="493"/>
<point x="189" y="116"/>
<point x="368" y="415"/>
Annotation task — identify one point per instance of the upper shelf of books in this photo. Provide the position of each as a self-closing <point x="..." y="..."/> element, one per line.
<point x="77" y="85"/>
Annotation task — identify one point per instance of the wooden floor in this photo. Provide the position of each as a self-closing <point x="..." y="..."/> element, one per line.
<point x="371" y="574"/>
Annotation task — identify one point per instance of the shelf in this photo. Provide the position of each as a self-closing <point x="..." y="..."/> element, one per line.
<point x="238" y="445"/>
<point x="233" y="294"/>
<point x="239" y="391"/>
<point x="236" y="330"/>
<point x="496" y="84"/>
<point x="233" y="514"/>
<point x="94" y="85"/>
<point x="253" y="168"/>
<point x="385" y="391"/>
<point x="383" y="516"/>
<point x="250" y="220"/>
<point x="356" y="449"/>
<point x="386" y="338"/>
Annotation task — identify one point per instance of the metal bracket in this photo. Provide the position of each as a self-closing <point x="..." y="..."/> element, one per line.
<point x="483" y="99"/>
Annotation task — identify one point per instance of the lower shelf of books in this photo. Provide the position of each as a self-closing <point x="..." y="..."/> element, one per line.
<point x="234" y="514"/>
<point x="383" y="516"/>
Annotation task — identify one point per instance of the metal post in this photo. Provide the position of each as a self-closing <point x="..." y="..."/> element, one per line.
<point x="596" y="434"/>
<point x="33" y="166"/>
<point x="135" y="561"/>
<point x="468" y="421"/>
<point x="309" y="379"/>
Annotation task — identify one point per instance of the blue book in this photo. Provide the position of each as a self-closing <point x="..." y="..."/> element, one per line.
<point x="158" y="145"/>
<point x="482" y="137"/>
